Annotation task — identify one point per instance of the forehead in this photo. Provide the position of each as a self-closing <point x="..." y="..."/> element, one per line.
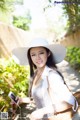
<point x="37" y="49"/>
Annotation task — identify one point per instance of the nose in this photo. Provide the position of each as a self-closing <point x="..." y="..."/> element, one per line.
<point x="38" y="57"/>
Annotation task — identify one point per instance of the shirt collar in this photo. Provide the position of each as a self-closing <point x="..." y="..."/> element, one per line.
<point x="46" y="71"/>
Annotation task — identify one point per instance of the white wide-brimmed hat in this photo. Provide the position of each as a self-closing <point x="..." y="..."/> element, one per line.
<point x="20" y="53"/>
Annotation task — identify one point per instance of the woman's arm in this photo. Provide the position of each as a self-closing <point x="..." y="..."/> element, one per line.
<point x="39" y="113"/>
<point x="62" y="106"/>
<point x="64" y="98"/>
<point x="53" y="109"/>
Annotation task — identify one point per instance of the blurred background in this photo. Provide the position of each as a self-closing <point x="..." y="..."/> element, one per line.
<point x="22" y="20"/>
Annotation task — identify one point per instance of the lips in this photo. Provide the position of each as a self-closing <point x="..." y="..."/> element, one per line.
<point x="39" y="62"/>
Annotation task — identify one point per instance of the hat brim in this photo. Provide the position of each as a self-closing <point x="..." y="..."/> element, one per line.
<point x="20" y="53"/>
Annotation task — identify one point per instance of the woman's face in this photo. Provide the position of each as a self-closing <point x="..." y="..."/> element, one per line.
<point x="39" y="56"/>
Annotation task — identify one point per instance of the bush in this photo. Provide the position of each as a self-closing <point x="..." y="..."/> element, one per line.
<point x="73" y="57"/>
<point x="13" y="77"/>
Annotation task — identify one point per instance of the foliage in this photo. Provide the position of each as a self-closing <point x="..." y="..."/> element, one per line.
<point x="13" y="77"/>
<point x="73" y="57"/>
<point x="6" y="5"/>
<point x="6" y="9"/>
<point x="49" y="5"/>
<point x="72" y="12"/>
<point x="22" y="22"/>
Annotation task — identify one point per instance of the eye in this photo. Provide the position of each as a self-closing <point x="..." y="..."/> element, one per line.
<point x="33" y="55"/>
<point x="41" y="53"/>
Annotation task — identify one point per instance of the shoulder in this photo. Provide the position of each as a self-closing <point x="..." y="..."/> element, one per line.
<point x="55" y="80"/>
<point x="54" y="74"/>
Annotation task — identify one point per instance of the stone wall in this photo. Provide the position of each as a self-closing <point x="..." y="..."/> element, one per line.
<point x="11" y="37"/>
<point x="72" y="39"/>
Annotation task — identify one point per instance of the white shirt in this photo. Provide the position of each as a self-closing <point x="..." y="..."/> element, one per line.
<point x="51" y="79"/>
<point x="58" y="88"/>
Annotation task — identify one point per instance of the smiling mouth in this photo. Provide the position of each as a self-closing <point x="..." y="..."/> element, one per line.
<point x="39" y="62"/>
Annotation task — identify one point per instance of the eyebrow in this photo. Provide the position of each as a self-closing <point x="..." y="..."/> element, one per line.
<point x="38" y="51"/>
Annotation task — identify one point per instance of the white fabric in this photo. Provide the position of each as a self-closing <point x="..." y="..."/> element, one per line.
<point x="60" y="92"/>
<point x="20" y="53"/>
<point x="59" y="89"/>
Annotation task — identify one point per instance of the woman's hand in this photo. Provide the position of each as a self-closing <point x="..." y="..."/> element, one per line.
<point x="21" y="100"/>
<point x="24" y="100"/>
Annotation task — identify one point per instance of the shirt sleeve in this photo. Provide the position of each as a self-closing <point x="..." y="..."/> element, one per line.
<point x="60" y="90"/>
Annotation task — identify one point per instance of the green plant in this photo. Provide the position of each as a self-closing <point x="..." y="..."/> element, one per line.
<point x="71" y="11"/>
<point x="73" y="56"/>
<point x="22" y="22"/>
<point x="13" y="77"/>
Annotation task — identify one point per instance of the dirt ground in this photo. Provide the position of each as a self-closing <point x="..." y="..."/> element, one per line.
<point x="71" y="76"/>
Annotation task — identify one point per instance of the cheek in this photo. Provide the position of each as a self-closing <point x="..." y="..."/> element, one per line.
<point x="45" y="57"/>
<point x="33" y="59"/>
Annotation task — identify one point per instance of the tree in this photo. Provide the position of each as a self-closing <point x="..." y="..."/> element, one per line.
<point x="72" y="11"/>
<point x="4" y="5"/>
<point x="8" y="5"/>
<point x="22" y="22"/>
<point x="6" y="9"/>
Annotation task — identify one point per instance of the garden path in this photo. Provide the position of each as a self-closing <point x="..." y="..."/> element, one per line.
<point x="71" y="76"/>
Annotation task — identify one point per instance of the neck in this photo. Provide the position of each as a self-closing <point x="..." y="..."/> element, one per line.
<point x="40" y="70"/>
<point x="38" y="75"/>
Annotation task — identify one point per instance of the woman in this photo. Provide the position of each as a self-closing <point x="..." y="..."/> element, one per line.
<point x="47" y="86"/>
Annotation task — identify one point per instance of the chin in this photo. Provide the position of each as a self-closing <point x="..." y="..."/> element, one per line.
<point x="40" y="66"/>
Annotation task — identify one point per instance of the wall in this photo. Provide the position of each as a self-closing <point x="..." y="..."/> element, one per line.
<point x="11" y="37"/>
<point x="71" y="40"/>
